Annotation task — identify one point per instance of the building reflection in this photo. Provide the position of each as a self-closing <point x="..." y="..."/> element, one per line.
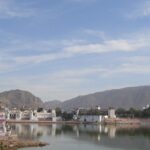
<point x="111" y="136"/>
<point x="95" y="131"/>
<point x="35" y="131"/>
<point x="112" y="132"/>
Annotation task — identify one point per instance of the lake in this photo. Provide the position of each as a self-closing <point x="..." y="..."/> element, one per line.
<point x="85" y="137"/>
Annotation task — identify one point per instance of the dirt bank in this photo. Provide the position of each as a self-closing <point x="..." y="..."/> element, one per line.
<point x="12" y="142"/>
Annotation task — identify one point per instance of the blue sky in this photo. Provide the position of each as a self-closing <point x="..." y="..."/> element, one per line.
<point x="59" y="49"/>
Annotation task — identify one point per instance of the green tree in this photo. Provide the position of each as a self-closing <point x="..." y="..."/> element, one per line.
<point x="67" y="116"/>
<point x="146" y="113"/>
<point x="58" y="111"/>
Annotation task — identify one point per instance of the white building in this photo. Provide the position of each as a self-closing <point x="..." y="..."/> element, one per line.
<point x="111" y="113"/>
<point x="83" y="115"/>
<point x="27" y="115"/>
<point x="44" y="115"/>
<point x="14" y="114"/>
<point x="91" y="118"/>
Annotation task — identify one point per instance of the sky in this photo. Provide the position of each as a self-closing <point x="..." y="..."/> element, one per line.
<point x="59" y="49"/>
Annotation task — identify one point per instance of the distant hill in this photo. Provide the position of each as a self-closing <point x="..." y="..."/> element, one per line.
<point x="125" y="98"/>
<point x="52" y="104"/>
<point x="18" y="98"/>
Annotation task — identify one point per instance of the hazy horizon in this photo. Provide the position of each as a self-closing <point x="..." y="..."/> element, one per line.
<point x="63" y="100"/>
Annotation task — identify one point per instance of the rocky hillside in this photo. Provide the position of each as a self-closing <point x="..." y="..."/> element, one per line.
<point x="125" y="98"/>
<point x="52" y="104"/>
<point x="18" y="98"/>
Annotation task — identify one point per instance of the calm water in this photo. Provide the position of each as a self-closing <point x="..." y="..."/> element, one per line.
<point x="89" y="137"/>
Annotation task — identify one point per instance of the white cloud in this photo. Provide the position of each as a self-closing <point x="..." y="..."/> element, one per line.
<point x="137" y="59"/>
<point x="50" y="50"/>
<point x="96" y="33"/>
<point x="10" y="9"/>
<point x="69" y="83"/>
<point x="127" y="68"/>
<point x="122" y="45"/>
<point x="75" y="48"/>
<point x="142" y="10"/>
<point x="41" y="58"/>
<point x="13" y="44"/>
<point x="4" y="67"/>
<point x="61" y="84"/>
<point x="43" y="51"/>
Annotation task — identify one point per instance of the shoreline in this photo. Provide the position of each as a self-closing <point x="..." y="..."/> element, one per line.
<point x="127" y="121"/>
<point x="44" y="121"/>
<point x="117" y="121"/>
<point x="12" y="142"/>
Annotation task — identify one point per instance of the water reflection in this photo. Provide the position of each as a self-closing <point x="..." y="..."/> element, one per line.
<point x="122" y="137"/>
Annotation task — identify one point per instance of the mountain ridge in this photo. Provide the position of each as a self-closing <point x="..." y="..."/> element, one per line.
<point x="126" y="97"/>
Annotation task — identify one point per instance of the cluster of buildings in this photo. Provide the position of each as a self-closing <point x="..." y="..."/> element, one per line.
<point x="98" y="116"/>
<point x="82" y="115"/>
<point x="26" y="114"/>
<point x="20" y="115"/>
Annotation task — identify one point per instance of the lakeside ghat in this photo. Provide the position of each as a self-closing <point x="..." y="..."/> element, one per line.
<point x="95" y="115"/>
<point x="117" y="121"/>
<point x="79" y="115"/>
<point x="21" y="120"/>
